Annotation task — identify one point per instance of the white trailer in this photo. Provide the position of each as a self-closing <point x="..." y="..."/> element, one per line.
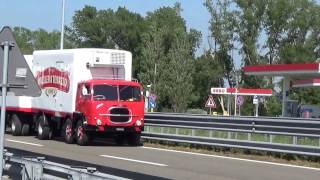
<point x="71" y="80"/>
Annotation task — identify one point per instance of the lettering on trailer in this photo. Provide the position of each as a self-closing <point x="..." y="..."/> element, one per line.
<point x="210" y="103"/>
<point x="52" y="79"/>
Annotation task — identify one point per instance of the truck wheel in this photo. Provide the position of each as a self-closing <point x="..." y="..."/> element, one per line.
<point x="134" y="139"/>
<point x="119" y="139"/>
<point x="25" y="130"/>
<point x="43" y="129"/>
<point x="68" y="131"/>
<point x="82" y="136"/>
<point x="15" y="125"/>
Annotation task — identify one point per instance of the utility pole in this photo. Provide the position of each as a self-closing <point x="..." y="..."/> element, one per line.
<point x="62" y="25"/>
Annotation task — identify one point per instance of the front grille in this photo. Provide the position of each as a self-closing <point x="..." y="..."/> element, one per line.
<point x="119" y="115"/>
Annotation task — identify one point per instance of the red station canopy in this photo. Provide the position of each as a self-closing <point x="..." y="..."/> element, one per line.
<point x="306" y="83"/>
<point x="242" y="91"/>
<point x="292" y="70"/>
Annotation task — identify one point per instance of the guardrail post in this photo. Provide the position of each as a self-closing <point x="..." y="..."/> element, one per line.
<point x="249" y="136"/>
<point x="162" y="130"/>
<point x="295" y="140"/>
<point x="229" y="135"/>
<point x="271" y="138"/>
<point x="32" y="170"/>
<point x="211" y="134"/>
<point x="193" y="132"/>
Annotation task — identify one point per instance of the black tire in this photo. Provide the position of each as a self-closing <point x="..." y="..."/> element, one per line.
<point x="25" y="130"/>
<point x="134" y="139"/>
<point x="16" y="125"/>
<point x="119" y="139"/>
<point x="43" y="128"/>
<point x="68" y="131"/>
<point x="82" y="137"/>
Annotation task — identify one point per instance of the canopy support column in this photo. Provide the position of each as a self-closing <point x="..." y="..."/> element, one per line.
<point x="285" y="93"/>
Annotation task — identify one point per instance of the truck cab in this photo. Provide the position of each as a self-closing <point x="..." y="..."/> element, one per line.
<point x="111" y="106"/>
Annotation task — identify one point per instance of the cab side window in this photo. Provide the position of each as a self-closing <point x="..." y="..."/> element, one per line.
<point x="85" y="90"/>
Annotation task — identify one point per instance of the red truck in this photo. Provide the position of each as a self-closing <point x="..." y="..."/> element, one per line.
<point x="86" y="93"/>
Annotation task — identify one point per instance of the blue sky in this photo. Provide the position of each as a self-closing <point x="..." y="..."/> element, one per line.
<point x="46" y="14"/>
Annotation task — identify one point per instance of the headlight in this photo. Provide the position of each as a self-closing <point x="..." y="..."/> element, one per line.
<point x="138" y="123"/>
<point x="99" y="122"/>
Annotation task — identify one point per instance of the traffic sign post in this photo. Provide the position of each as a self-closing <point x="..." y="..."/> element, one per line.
<point x="16" y="78"/>
<point x="256" y="102"/>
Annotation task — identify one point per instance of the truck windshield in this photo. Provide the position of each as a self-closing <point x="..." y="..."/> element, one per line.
<point x="109" y="92"/>
<point x="129" y="93"/>
<point x="105" y="92"/>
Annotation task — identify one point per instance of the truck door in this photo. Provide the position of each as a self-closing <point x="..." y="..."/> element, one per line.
<point x="83" y="98"/>
<point x="58" y="100"/>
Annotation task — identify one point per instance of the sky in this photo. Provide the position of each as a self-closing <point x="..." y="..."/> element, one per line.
<point x="46" y="14"/>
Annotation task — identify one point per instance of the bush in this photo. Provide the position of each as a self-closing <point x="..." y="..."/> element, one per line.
<point x="196" y="111"/>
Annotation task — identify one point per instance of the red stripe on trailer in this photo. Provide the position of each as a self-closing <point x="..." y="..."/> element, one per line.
<point x="38" y="110"/>
<point x="282" y="69"/>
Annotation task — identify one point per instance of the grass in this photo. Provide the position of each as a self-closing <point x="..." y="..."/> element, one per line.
<point x="236" y="135"/>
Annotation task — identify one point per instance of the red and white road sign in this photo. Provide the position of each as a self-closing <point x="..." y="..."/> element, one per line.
<point x="210" y="103"/>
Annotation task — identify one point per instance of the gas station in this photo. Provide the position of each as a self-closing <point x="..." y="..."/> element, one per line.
<point x="301" y="75"/>
<point x="238" y="92"/>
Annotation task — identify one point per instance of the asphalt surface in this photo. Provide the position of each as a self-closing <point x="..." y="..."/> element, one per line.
<point x="152" y="163"/>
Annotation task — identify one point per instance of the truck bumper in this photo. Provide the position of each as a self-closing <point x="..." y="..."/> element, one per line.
<point x="113" y="129"/>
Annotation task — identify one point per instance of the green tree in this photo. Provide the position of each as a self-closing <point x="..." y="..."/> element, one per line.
<point x="167" y="56"/>
<point x="119" y="29"/>
<point x="222" y="27"/>
<point x="207" y="73"/>
<point x="24" y="39"/>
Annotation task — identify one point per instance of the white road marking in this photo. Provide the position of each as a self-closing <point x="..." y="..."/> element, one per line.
<point x="22" y="142"/>
<point x="232" y="158"/>
<point x="134" y="160"/>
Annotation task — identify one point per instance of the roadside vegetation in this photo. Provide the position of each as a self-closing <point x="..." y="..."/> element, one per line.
<point x="167" y="54"/>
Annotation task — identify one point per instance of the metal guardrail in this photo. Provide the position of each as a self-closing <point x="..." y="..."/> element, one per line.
<point x="37" y="168"/>
<point x="293" y="127"/>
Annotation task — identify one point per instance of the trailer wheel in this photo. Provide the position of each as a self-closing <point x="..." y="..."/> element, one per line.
<point x="134" y="139"/>
<point x="43" y="128"/>
<point x="82" y="136"/>
<point x="68" y="131"/>
<point x="15" y="125"/>
<point x="25" y="130"/>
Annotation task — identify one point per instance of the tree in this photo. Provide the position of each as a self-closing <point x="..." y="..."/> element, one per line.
<point x="24" y="39"/>
<point x="222" y="27"/>
<point x="207" y="73"/>
<point x="29" y="41"/>
<point x="119" y="29"/>
<point x="167" y="54"/>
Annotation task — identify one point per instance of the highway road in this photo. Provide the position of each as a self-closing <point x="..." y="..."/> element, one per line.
<point x="152" y="163"/>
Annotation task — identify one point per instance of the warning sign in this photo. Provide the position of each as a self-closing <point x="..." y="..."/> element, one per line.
<point x="210" y="103"/>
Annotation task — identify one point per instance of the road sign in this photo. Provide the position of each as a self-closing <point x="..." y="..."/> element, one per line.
<point x="21" y="81"/>
<point x="255" y="99"/>
<point x="16" y="78"/>
<point x="153" y="97"/>
<point x="240" y="100"/>
<point x="152" y="104"/>
<point x="210" y="103"/>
